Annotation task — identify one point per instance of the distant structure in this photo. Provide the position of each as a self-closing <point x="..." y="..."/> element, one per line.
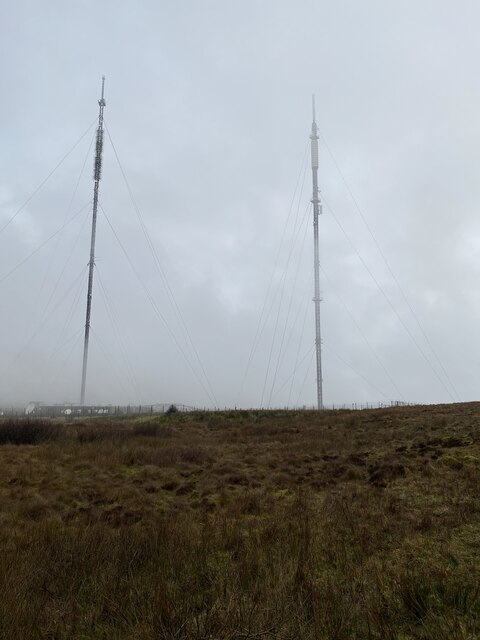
<point x="97" y="172"/>
<point x="67" y="409"/>
<point x="317" y="210"/>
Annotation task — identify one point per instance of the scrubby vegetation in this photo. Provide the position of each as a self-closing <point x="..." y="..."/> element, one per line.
<point x="29" y="431"/>
<point x="235" y="525"/>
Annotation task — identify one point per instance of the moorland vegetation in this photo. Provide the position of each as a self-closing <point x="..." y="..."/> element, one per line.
<point x="243" y="525"/>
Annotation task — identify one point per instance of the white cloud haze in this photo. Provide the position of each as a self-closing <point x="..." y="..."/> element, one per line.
<point x="209" y="109"/>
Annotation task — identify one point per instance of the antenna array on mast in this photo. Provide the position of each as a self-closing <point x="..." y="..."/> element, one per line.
<point x="97" y="172"/>
<point x="317" y="210"/>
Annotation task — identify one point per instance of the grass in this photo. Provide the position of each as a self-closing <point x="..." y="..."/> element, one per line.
<point x="333" y="525"/>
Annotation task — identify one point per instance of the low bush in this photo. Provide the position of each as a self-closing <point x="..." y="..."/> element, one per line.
<point x="29" y="431"/>
<point x="171" y="409"/>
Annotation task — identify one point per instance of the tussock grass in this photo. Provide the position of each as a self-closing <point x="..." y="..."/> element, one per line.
<point x="288" y="525"/>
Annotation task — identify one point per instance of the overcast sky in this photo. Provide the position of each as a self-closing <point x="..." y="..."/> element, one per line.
<point x="209" y="111"/>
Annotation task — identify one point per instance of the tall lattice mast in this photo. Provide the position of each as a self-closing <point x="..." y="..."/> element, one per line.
<point x="97" y="172"/>
<point x="317" y="210"/>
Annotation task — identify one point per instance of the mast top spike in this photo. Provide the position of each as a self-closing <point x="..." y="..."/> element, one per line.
<point x="102" y="102"/>
<point x="313" y="106"/>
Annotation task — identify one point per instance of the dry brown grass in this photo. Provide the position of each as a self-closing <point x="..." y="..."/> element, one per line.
<point x="242" y="525"/>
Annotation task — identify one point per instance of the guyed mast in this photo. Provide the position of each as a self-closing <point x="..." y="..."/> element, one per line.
<point x="317" y="210"/>
<point x="97" y="172"/>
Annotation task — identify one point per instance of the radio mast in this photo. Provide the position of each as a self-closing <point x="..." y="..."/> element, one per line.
<point x="97" y="172"/>
<point x="317" y="210"/>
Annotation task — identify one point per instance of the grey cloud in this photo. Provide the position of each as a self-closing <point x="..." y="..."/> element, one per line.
<point x="208" y="105"/>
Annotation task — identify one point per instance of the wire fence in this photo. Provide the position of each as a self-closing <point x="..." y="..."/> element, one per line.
<point x="77" y="410"/>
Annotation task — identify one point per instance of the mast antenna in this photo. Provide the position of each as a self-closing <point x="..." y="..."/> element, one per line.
<point x="317" y="210"/>
<point x="97" y="172"/>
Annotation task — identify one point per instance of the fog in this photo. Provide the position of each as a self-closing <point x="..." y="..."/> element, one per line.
<point x="208" y="107"/>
